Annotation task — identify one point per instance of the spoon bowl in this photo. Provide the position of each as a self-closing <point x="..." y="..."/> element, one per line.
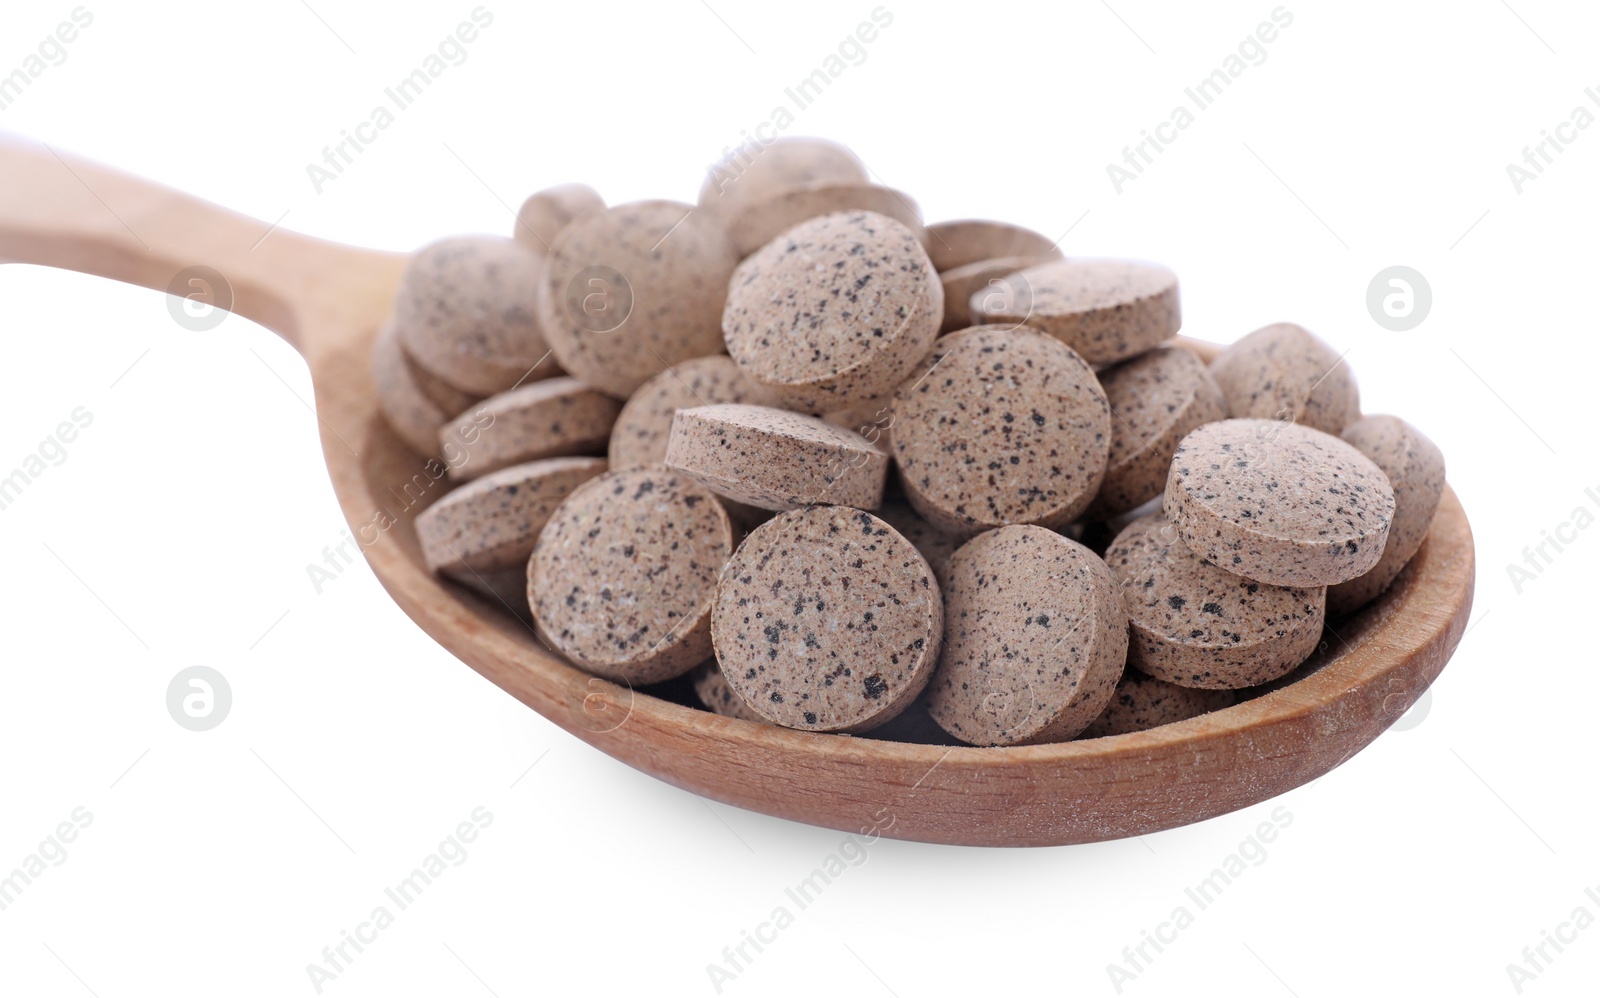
<point x="328" y="301"/>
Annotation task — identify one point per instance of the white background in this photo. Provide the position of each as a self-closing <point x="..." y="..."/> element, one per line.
<point x="178" y="529"/>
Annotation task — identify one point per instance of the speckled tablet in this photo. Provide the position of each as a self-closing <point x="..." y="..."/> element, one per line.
<point x="554" y="418"/>
<point x="1196" y="625"/>
<point x="718" y="697"/>
<point x="760" y="223"/>
<point x="836" y="312"/>
<point x="641" y="431"/>
<point x="634" y="289"/>
<point x="1006" y="426"/>
<point x="776" y="459"/>
<point x="492" y="522"/>
<point x="969" y="240"/>
<point x="1415" y="469"/>
<point x="1143" y="702"/>
<point x="410" y="413"/>
<point x="1284" y="372"/>
<point x="992" y="277"/>
<point x="1106" y="310"/>
<point x="622" y="578"/>
<point x="1156" y="399"/>
<point x="467" y="310"/>
<point x="751" y="174"/>
<point x="547" y="212"/>
<point x="1279" y="502"/>
<point x="935" y="545"/>
<point x="827" y="620"/>
<point x="1034" y="643"/>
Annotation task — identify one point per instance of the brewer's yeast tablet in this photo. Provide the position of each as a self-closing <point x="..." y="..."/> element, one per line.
<point x="467" y="310"/>
<point x="1004" y="426"/>
<point x="776" y="459"/>
<point x="632" y="290"/>
<point x="492" y="522"/>
<point x="1035" y="639"/>
<point x="1283" y="372"/>
<point x="1196" y="625"/>
<point x="836" y="312"/>
<point x="827" y="620"/>
<point x="622" y="577"/>
<point x="554" y="418"/>
<point x="1278" y="502"/>
<point x="1106" y="310"/>
<point x="1415" y="469"/>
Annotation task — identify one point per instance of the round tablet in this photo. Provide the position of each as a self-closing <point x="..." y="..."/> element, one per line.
<point x="718" y="697"/>
<point x="467" y="310"/>
<point x="546" y="213"/>
<point x="935" y="545"/>
<point x="1415" y="469"/>
<point x="554" y="418"/>
<point x="1278" y="502"/>
<point x="1143" y="702"/>
<point x="622" y="577"/>
<point x="634" y="289"/>
<point x="492" y="522"/>
<point x="1156" y="399"/>
<point x="410" y="413"/>
<point x="836" y="312"/>
<point x="641" y="431"/>
<point x="1006" y="426"/>
<point x="1106" y="310"/>
<point x="760" y="223"/>
<point x="827" y="620"/>
<point x="1197" y="625"/>
<point x="969" y="240"/>
<point x="992" y="277"/>
<point x="1034" y="642"/>
<point x="776" y="459"/>
<point x="1284" y="372"/>
<point x="752" y="174"/>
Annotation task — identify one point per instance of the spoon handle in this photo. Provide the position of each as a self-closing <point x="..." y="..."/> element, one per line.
<point x="59" y="210"/>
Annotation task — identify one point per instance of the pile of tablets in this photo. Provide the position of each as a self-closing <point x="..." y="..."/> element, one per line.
<point x="845" y="471"/>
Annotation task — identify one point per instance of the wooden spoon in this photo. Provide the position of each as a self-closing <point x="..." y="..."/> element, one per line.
<point x="328" y="300"/>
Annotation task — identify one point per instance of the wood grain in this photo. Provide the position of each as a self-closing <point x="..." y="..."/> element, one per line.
<point x="328" y="301"/>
